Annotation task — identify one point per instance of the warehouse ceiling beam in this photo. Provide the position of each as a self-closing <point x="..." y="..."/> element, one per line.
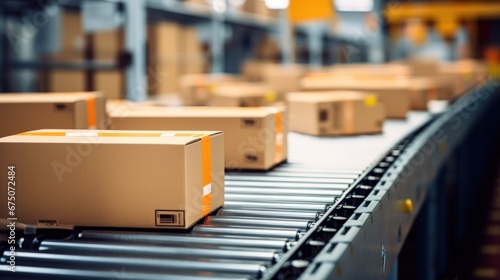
<point x="435" y="11"/>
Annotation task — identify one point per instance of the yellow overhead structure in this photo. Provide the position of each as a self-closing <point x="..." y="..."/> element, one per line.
<point x="307" y="10"/>
<point x="436" y="11"/>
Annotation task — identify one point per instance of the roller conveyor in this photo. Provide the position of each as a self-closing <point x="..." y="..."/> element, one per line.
<point x="295" y="221"/>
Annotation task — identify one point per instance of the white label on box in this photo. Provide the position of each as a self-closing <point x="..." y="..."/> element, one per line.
<point x="167" y="135"/>
<point x="207" y="189"/>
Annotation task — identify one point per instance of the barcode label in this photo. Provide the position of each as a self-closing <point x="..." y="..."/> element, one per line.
<point x="169" y="218"/>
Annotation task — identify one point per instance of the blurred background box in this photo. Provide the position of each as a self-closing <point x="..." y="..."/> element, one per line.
<point x="335" y="113"/>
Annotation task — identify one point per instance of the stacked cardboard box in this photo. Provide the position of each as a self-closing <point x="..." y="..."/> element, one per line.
<point x="255" y="138"/>
<point x="463" y="75"/>
<point x="394" y="93"/>
<point x="335" y="113"/>
<point x="195" y="89"/>
<point x="24" y="112"/>
<point x="146" y="179"/>
<point x="281" y="78"/>
<point x="242" y="95"/>
<point x="173" y="50"/>
<point x="106" y="47"/>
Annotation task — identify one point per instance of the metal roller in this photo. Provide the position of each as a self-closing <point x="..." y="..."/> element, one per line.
<point x="296" y="174"/>
<point x="259" y="222"/>
<point x="29" y="258"/>
<point x="254" y="231"/>
<point x="340" y="187"/>
<point x="280" y="198"/>
<point x="291" y="167"/>
<point x="95" y="247"/>
<point x="307" y="180"/>
<point x="280" y="191"/>
<point x="186" y="240"/>
<point x="300" y="215"/>
<point x="274" y="206"/>
<point x="35" y="273"/>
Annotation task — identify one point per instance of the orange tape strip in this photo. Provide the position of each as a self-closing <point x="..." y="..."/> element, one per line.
<point x="91" y="113"/>
<point x="278" y="154"/>
<point x="206" y="175"/>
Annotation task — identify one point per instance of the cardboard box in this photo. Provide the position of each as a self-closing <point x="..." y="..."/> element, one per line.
<point x="110" y="84"/>
<point x="24" y="112"/>
<point x="147" y="179"/>
<point x="335" y="113"/>
<point x="283" y="78"/>
<point x="66" y="81"/>
<point x="195" y="89"/>
<point x="463" y="75"/>
<point x="256" y="138"/>
<point x="423" y="67"/>
<point x="242" y="95"/>
<point x="252" y="70"/>
<point x="163" y="57"/>
<point x="394" y="93"/>
<point x="365" y="69"/>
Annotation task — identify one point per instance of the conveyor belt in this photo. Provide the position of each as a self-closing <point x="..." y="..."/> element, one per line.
<point x="272" y="225"/>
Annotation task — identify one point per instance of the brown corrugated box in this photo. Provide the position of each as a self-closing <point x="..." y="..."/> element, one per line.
<point x="24" y="112"/>
<point x="335" y="113"/>
<point x="394" y="93"/>
<point x="195" y="89"/>
<point x="242" y="95"/>
<point x="173" y="50"/>
<point x="252" y="70"/>
<point x="147" y="179"/>
<point x="256" y="138"/>
<point x="463" y="75"/>
<point x="423" y="67"/>
<point x="283" y="78"/>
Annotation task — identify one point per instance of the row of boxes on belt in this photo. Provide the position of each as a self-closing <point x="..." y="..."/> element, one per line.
<point x="171" y="176"/>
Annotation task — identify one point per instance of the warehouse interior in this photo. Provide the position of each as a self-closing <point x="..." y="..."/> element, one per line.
<point x="249" y="139"/>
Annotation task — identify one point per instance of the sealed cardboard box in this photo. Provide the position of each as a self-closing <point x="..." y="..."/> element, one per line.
<point x="24" y="112"/>
<point x="242" y="95"/>
<point x="335" y="113"/>
<point x="147" y="179"/>
<point x="252" y="70"/>
<point x="256" y="137"/>
<point x="394" y="93"/>
<point x="463" y="75"/>
<point x="283" y="78"/>
<point x="423" y="67"/>
<point x="195" y="89"/>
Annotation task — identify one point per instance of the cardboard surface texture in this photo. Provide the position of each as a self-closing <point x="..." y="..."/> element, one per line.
<point x="24" y="112"/>
<point x="242" y="95"/>
<point x="395" y="94"/>
<point x="335" y="113"/>
<point x="195" y="89"/>
<point x="256" y="138"/>
<point x="147" y="179"/>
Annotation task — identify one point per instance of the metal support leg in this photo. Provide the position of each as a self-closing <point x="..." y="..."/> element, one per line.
<point x="286" y="42"/>
<point x="135" y="44"/>
<point x="217" y="43"/>
<point x="315" y="43"/>
<point x="428" y="234"/>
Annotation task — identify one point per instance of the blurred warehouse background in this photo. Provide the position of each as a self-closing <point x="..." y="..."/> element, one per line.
<point x="138" y="48"/>
<point x="249" y="53"/>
